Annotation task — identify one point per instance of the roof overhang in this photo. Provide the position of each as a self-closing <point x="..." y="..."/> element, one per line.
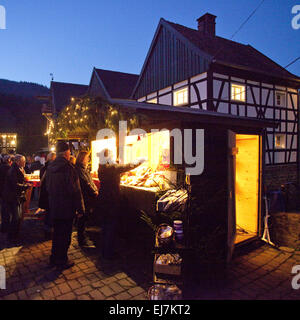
<point x="294" y="81"/>
<point x="186" y="114"/>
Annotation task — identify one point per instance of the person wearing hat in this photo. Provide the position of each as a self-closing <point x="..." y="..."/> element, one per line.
<point x="65" y="202"/>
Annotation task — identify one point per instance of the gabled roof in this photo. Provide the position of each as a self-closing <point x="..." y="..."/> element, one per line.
<point x="117" y="84"/>
<point x="233" y="53"/>
<point x="160" y="71"/>
<point x="62" y="93"/>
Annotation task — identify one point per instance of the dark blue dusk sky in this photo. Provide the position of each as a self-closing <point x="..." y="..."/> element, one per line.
<point x="69" y="37"/>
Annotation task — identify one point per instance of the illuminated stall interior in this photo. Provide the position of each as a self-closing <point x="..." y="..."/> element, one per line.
<point x="247" y="186"/>
<point x="97" y="147"/>
<point x="154" y="147"/>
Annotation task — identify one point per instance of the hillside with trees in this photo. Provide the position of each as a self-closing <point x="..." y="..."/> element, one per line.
<point x="20" y="112"/>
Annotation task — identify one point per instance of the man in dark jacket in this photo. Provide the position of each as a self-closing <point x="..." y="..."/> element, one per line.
<point x="4" y="167"/>
<point x="65" y="201"/>
<point x="14" y="195"/>
<point x="109" y="174"/>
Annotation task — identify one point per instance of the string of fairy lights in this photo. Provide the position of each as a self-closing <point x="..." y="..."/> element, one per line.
<point x="86" y="116"/>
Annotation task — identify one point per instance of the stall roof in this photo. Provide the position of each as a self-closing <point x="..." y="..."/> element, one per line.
<point x="63" y="91"/>
<point x="171" y="113"/>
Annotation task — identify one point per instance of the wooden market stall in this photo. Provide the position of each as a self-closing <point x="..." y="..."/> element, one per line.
<point x="227" y="193"/>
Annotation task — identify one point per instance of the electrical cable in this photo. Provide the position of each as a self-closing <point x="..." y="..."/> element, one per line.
<point x="292" y="62"/>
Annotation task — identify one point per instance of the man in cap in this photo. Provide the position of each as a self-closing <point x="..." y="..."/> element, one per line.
<point x="65" y="201"/>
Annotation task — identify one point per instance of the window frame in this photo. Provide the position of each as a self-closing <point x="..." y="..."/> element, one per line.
<point x="283" y="95"/>
<point x="243" y="92"/>
<point x="176" y="92"/>
<point x="282" y="145"/>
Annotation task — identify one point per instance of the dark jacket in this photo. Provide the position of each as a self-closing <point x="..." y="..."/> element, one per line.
<point x="15" y="185"/>
<point x="4" y="167"/>
<point x="88" y="187"/>
<point x="43" y="169"/>
<point x="63" y="188"/>
<point x="109" y="176"/>
<point x="43" y="197"/>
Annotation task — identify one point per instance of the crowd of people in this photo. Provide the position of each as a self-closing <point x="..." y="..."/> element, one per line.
<point x="67" y="194"/>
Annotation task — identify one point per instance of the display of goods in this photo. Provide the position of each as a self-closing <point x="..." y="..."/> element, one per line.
<point x="144" y="176"/>
<point x="33" y="176"/>
<point x="165" y="234"/>
<point x="164" y="292"/>
<point x="178" y="225"/>
<point x="173" y="200"/>
<point x="169" y="259"/>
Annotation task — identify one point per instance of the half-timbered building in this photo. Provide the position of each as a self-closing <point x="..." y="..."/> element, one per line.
<point x="197" y="69"/>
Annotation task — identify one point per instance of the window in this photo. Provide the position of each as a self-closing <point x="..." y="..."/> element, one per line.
<point x="279" y="141"/>
<point x="154" y="100"/>
<point x="238" y="92"/>
<point x="280" y="99"/>
<point x="181" y="97"/>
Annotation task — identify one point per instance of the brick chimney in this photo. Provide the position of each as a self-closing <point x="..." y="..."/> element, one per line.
<point x="207" y="25"/>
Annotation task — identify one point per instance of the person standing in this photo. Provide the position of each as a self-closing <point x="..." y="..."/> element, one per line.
<point x="109" y="198"/>
<point x="89" y="193"/>
<point x="43" y="196"/>
<point x="4" y="167"/>
<point x="65" y="201"/>
<point x="14" y="195"/>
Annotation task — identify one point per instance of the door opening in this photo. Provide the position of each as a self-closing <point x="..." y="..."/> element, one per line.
<point x="247" y="179"/>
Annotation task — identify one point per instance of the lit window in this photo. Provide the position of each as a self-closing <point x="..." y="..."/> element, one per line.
<point x="181" y="97"/>
<point x="280" y="99"/>
<point x="238" y="92"/>
<point x="279" y="141"/>
<point x="154" y="100"/>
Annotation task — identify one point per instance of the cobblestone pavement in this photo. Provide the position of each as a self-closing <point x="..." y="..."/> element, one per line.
<point x="262" y="273"/>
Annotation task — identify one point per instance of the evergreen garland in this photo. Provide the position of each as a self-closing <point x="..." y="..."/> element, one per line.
<point x="87" y="115"/>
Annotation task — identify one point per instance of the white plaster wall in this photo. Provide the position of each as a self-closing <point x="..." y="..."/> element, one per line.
<point x="271" y="140"/>
<point x="234" y="109"/>
<point x="193" y="95"/>
<point x="242" y="111"/>
<point x="293" y="156"/>
<point x="218" y="75"/>
<point x="180" y="84"/>
<point x="165" y="90"/>
<point x="279" y="157"/>
<point x="223" y="107"/>
<point x="251" y="112"/>
<point x="291" y="115"/>
<point x="199" y="77"/>
<point x="202" y="87"/>
<point x="216" y="88"/>
<point x="269" y="113"/>
<point x="166" y="99"/>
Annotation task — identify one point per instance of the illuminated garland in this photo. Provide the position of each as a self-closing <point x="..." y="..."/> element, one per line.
<point x="85" y="116"/>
